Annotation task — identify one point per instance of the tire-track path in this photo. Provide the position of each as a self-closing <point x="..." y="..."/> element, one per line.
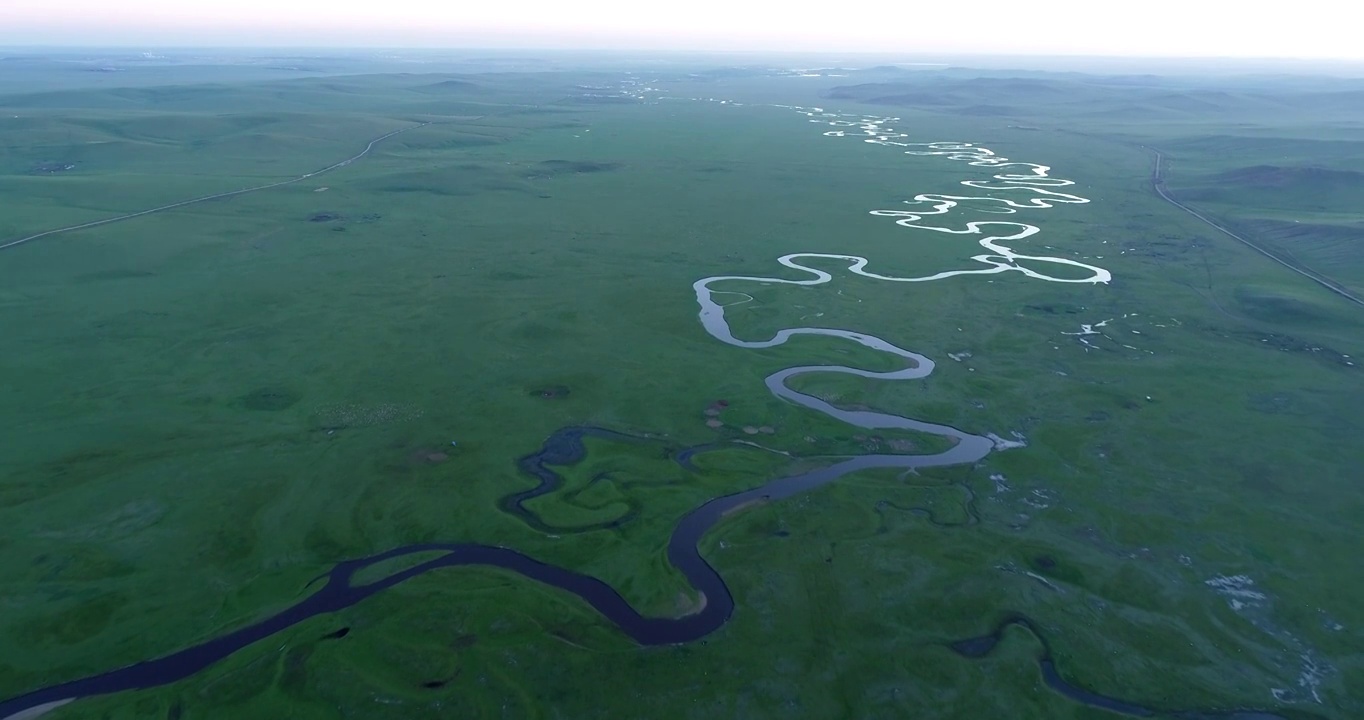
<point x="216" y="196"/>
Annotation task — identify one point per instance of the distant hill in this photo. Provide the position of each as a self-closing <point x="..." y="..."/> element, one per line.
<point x="891" y="94"/>
<point x="1351" y="101"/>
<point x="1301" y="188"/>
<point x="1274" y="176"/>
<point x="1131" y="112"/>
<point x="1191" y="102"/>
<point x="972" y="91"/>
<point x="978" y="97"/>
<point x="987" y="110"/>
<point x="1071" y="95"/>
<point x="450" y="86"/>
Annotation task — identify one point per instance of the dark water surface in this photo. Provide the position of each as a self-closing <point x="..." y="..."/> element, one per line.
<point x="566" y="447"/>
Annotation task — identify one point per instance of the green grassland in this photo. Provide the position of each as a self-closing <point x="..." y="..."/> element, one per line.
<point x="206" y="408"/>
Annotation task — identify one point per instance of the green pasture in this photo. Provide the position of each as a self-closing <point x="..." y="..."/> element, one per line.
<point x="205" y="409"/>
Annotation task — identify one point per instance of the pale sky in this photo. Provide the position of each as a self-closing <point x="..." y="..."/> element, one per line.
<point x="1159" y="28"/>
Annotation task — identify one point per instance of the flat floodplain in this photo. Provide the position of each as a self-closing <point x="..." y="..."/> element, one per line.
<point x="208" y="408"/>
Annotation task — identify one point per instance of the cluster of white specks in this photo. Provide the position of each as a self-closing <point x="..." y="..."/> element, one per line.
<point x="1092" y="336"/>
<point x="1242" y="596"/>
<point x="631" y="87"/>
<point x="1239" y="590"/>
<point x="1001" y="483"/>
<point x="814" y="72"/>
<point x="1310" y="677"/>
<point x="1039" y="499"/>
<point x="717" y="101"/>
<point x="1089" y="329"/>
<point x="1330" y="623"/>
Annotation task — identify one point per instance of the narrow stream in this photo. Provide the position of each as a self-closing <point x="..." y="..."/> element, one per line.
<point x="566" y="447"/>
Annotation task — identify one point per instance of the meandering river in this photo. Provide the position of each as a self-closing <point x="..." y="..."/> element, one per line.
<point x="999" y="240"/>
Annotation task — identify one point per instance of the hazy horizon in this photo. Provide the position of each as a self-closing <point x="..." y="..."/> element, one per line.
<point x="1156" y="29"/>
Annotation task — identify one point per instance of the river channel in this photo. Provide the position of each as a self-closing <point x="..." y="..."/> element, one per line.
<point x="565" y="447"/>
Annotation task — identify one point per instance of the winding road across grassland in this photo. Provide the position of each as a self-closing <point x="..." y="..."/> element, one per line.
<point x="206" y="198"/>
